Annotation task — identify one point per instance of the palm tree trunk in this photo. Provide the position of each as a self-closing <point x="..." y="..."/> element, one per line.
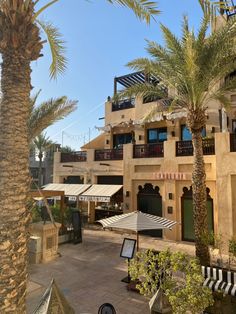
<point x="199" y="200"/>
<point x="14" y="180"/>
<point x="40" y="155"/>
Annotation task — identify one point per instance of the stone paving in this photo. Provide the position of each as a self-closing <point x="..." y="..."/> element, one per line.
<point x="89" y="274"/>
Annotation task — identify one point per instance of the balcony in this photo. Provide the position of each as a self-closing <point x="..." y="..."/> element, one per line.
<point x="185" y="148"/>
<point x="148" y="150"/>
<point x="74" y="157"/>
<point x="233" y="142"/>
<point x="123" y="104"/>
<point x="108" y="154"/>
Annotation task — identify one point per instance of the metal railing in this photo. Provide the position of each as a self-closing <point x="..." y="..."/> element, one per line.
<point x="123" y="104"/>
<point x="185" y="148"/>
<point x="148" y="150"/>
<point x="74" y="157"/>
<point x="108" y="154"/>
<point x="233" y="142"/>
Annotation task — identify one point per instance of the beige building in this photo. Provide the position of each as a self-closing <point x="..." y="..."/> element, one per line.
<point x="152" y="159"/>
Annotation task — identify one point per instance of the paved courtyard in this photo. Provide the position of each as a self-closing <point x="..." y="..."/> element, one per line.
<point x="89" y="274"/>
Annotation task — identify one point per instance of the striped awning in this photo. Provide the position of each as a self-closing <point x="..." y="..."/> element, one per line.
<point x="69" y="189"/>
<point x="137" y="221"/>
<point x="100" y="193"/>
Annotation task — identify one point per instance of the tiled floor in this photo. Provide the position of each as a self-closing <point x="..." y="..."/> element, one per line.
<point x="89" y="274"/>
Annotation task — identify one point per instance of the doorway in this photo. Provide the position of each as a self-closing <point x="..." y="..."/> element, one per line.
<point x="149" y="201"/>
<point x="187" y="214"/>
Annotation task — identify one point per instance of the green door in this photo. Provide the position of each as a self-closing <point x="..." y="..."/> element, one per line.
<point x="187" y="218"/>
<point x="150" y="202"/>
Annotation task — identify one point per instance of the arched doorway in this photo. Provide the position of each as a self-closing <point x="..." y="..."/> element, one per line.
<point x="149" y="201"/>
<point x="187" y="214"/>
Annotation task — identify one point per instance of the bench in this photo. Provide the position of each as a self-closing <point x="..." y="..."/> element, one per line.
<point x="218" y="279"/>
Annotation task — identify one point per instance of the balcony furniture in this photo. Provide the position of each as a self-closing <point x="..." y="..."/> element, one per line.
<point x="74" y="157"/>
<point x="108" y="154"/>
<point x="148" y="150"/>
<point x="185" y="148"/>
<point x="233" y="142"/>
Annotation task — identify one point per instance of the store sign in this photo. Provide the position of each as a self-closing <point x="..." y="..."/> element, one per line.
<point x="170" y="175"/>
<point x="90" y="198"/>
<point x="72" y="198"/>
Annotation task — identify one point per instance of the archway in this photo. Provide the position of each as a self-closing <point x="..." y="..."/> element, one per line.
<point x="187" y="214"/>
<point x="149" y="201"/>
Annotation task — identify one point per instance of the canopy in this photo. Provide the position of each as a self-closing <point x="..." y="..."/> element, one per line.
<point x="137" y="221"/>
<point x="100" y="193"/>
<point x="53" y="301"/>
<point x="69" y="189"/>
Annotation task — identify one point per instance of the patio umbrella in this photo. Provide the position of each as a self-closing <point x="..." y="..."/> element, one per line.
<point x="137" y="221"/>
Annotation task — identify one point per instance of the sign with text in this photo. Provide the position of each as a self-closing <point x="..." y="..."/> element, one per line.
<point x="171" y="175"/>
<point x="90" y="198"/>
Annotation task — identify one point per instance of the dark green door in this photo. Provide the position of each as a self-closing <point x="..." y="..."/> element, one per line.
<point x="187" y="216"/>
<point x="150" y="202"/>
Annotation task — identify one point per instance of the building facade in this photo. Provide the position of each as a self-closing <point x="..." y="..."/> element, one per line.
<point x="152" y="157"/>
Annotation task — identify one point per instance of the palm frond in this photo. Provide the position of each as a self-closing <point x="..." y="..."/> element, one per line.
<point x="43" y="8"/>
<point x="143" y="9"/>
<point x="57" y="46"/>
<point x="48" y="113"/>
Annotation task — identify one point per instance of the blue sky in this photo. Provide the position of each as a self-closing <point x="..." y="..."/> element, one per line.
<point x="100" y="40"/>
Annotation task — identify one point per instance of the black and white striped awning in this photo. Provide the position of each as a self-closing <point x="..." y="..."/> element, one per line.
<point x="137" y="221"/>
<point x="218" y="279"/>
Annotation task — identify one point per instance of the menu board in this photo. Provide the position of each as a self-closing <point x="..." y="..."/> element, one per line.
<point x="128" y="247"/>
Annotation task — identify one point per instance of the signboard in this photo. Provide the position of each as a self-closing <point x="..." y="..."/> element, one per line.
<point x="170" y="175"/>
<point x="87" y="198"/>
<point x="128" y="247"/>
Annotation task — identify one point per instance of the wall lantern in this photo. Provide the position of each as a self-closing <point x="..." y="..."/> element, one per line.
<point x="170" y="196"/>
<point x="127" y="194"/>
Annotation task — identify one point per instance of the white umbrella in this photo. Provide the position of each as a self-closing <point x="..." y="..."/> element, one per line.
<point x="137" y="221"/>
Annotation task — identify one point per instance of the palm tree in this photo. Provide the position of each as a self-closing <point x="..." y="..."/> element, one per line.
<point x="47" y="113"/>
<point x="41" y="143"/>
<point x="195" y="67"/>
<point x="20" y="44"/>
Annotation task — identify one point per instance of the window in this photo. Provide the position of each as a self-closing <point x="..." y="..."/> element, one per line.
<point x="234" y="126"/>
<point x="156" y="135"/>
<point x="120" y="139"/>
<point x="186" y="134"/>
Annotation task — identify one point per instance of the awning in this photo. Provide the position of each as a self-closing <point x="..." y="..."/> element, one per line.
<point x="100" y="193"/>
<point x="69" y="189"/>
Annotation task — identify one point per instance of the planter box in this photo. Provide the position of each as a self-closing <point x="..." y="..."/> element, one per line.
<point x="64" y="238"/>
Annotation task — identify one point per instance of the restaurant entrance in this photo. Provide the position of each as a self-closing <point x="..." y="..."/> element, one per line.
<point x="149" y="201"/>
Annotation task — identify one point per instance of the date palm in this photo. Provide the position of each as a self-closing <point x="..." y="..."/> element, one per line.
<point x="41" y="143"/>
<point x="47" y="113"/>
<point x="20" y="44"/>
<point x="194" y="66"/>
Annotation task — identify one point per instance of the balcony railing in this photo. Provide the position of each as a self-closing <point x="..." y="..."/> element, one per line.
<point x="108" y="154"/>
<point x="233" y="142"/>
<point x="185" y="148"/>
<point x="74" y="157"/>
<point x="123" y="104"/>
<point x="148" y="150"/>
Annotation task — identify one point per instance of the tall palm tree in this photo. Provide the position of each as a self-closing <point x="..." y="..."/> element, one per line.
<point x="195" y="66"/>
<point x="41" y="143"/>
<point x="47" y="113"/>
<point x="20" y="44"/>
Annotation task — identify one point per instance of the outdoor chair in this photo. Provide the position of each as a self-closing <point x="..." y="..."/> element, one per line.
<point x="218" y="279"/>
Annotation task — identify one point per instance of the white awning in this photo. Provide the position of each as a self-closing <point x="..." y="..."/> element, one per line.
<point x="69" y="189"/>
<point x="100" y="193"/>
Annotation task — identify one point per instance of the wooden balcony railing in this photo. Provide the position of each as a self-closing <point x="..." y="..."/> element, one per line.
<point x="185" y="148"/>
<point x="233" y="142"/>
<point x="148" y="150"/>
<point x="123" y="104"/>
<point x="74" y="157"/>
<point x="108" y="154"/>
